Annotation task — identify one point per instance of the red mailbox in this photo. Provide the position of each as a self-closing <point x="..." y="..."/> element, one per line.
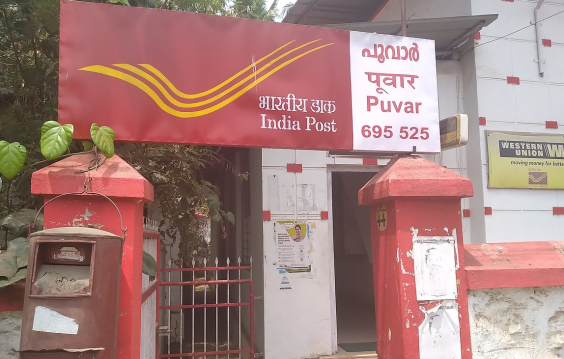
<point x="72" y="294"/>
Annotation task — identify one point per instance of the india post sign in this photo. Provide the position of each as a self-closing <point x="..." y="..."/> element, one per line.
<point x="176" y="77"/>
<point x="525" y="161"/>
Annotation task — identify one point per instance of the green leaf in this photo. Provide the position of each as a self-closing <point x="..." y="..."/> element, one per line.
<point x="230" y="217"/>
<point x="8" y="265"/>
<point x="20" y="220"/>
<point x="150" y="266"/>
<point x="55" y="139"/>
<point x="21" y="274"/>
<point x="20" y="247"/>
<point x="87" y="145"/>
<point x="28" y="28"/>
<point x="103" y="138"/>
<point x="33" y="77"/>
<point x="122" y="2"/>
<point x="50" y="48"/>
<point x="12" y="158"/>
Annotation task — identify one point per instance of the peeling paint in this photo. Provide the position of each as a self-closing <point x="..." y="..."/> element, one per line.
<point x="414" y="231"/>
<point x="403" y="269"/>
<point x="407" y="324"/>
<point x="82" y="217"/>
<point x="389" y="334"/>
<point x="410" y="253"/>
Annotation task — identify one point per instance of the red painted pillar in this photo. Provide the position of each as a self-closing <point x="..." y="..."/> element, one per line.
<point x="418" y="251"/>
<point x="129" y="190"/>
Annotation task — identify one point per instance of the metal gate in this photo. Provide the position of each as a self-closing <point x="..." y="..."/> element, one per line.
<point x="206" y="311"/>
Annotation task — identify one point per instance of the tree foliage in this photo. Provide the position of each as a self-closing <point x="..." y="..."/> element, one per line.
<point x="29" y="133"/>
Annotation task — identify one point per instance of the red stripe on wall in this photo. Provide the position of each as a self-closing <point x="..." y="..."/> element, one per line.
<point x="551" y="124"/>
<point x="294" y="167"/>
<point x="513" y="80"/>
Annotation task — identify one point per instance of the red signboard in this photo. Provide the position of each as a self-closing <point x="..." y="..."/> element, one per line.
<point x="176" y="77"/>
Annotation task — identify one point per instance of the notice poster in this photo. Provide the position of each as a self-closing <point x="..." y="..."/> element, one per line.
<point x="293" y="246"/>
<point x="525" y="160"/>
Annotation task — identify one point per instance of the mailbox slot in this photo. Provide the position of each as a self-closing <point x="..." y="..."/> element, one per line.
<point x="63" y="269"/>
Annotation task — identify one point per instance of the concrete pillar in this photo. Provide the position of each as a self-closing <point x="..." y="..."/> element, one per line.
<point x="129" y="190"/>
<point x="416" y="230"/>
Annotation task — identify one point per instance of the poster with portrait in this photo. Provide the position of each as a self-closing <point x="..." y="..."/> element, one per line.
<point x="293" y="246"/>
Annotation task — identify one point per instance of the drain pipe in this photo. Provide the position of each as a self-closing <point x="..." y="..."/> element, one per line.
<point x="404" y="19"/>
<point x="540" y="49"/>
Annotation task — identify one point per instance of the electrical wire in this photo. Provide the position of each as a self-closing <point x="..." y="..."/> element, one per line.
<point x="511" y="33"/>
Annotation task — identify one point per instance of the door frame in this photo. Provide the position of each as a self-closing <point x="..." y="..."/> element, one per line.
<point x="332" y="294"/>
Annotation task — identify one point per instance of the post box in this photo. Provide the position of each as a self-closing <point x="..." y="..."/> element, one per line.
<point x="72" y="294"/>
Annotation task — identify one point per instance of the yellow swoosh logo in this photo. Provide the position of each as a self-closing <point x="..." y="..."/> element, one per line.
<point x="157" y="98"/>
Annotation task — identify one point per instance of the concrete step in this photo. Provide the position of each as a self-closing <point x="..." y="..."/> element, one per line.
<point x="341" y="354"/>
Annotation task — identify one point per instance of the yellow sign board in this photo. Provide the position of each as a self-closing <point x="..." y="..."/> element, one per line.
<point x="454" y="131"/>
<point x="525" y="160"/>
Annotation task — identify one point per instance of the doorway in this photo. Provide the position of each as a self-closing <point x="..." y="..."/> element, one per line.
<point x="354" y="288"/>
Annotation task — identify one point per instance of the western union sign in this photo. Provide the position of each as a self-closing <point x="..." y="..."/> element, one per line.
<point x="525" y="160"/>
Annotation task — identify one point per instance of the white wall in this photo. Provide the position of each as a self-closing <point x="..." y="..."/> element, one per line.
<point x="298" y="320"/>
<point x="517" y="323"/>
<point x="519" y="108"/>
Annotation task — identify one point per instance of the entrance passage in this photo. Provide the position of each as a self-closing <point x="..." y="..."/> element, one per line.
<point x="354" y="288"/>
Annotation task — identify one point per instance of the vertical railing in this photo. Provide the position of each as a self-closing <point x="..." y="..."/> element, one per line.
<point x="215" y="281"/>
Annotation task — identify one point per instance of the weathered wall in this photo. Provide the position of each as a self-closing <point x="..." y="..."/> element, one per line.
<point x="517" y="323"/>
<point x="10" y="328"/>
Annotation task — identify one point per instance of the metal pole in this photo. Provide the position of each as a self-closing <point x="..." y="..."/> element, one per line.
<point x="205" y="302"/>
<point x="239" y="277"/>
<point x="228" y="295"/>
<point x="540" y="50"/>
<point x="403" y="19"/>
<point x="216" y="311"/>
<point x="181" y="310"/>
<point x="193" y="308"/>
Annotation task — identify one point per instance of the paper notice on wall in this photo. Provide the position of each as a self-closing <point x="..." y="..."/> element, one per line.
<point x="293" y="244"/>
<point x="50" y="321"/>
<point x="435" y="268"/>
<point x="439" y="333"/>
<point x="285" y="283"/>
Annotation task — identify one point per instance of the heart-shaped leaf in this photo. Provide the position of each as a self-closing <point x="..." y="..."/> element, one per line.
<point x="21" y="274"/>
<point x="150" y="266"/>
<point x="12" y="158"/>
<point x="103" y="138"/>
<point x="8" y="265"/>
<point x="20" y="247"/>
<point x="55" y="139"/>
<point x="21" y="220"/>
